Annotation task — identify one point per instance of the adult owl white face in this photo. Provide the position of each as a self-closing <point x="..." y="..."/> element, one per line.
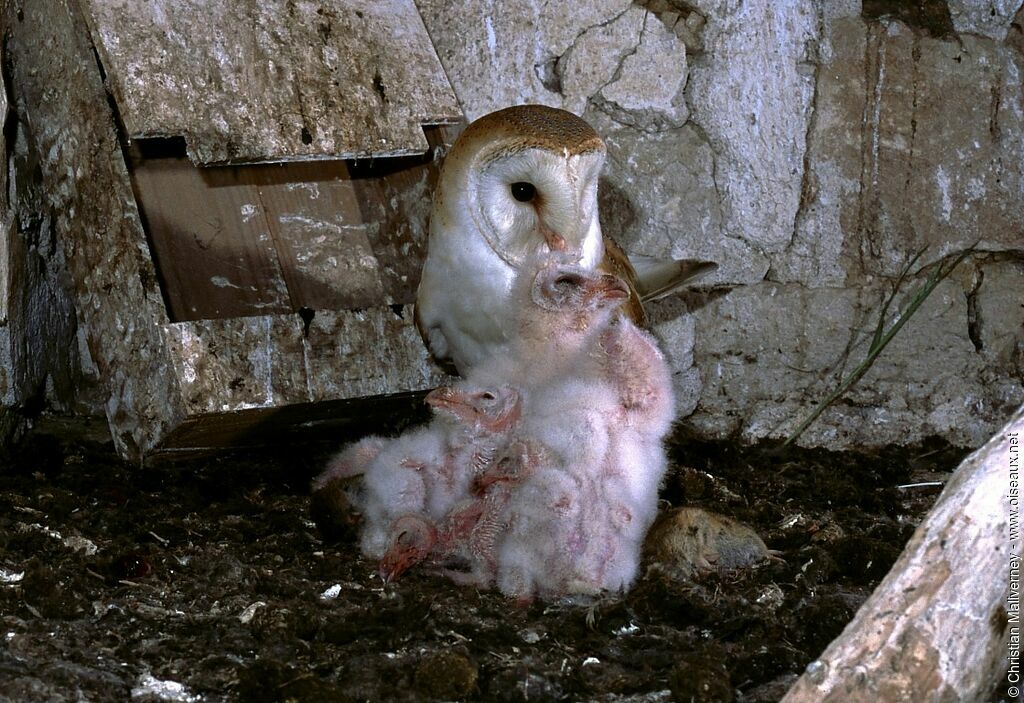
<point x="518" y="186"/>
<point x="524" y="180"/>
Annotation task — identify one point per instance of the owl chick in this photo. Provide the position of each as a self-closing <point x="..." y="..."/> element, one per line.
<point x="635" y="368"/>
<point x="482" y="420"/>
<point x="518" y="185"/>
<point x="601" y="421"/>
<point x="426" y="470"/>
<point x="561" y="311"/>
<point x="570" y="530"/>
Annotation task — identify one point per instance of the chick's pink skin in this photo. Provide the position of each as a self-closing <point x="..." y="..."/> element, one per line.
<point x="478" y="410"/>
<point x="636" y="368"/>
<point x="484" y="418"/>
<point x="473" y="529"/>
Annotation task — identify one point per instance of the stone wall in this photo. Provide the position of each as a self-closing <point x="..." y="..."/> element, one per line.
<point x="811" y="149"/>
<point x="39" y="356"/>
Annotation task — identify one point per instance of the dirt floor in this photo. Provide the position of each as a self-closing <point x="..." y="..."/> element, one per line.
<point x="207" y="579"/>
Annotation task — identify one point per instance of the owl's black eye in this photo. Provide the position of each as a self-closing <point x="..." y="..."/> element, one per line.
<point x="523" y="191"/>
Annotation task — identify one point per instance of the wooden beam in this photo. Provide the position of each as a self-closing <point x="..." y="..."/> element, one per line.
<point x="936" y="628"/>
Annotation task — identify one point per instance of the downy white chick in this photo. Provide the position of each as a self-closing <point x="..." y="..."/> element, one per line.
<point x="483" y="420"/>
<point x="538" y="556"/>
<point x="426" y="470"/>
<point x="636" y="465"/>
<point x="601" y="424"/>
<point x="472" y="425"/>
<point x="395" y="483"/>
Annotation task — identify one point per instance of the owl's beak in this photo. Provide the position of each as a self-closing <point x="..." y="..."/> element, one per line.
<point x="443" y="397"/>
<point x="555" y="241"/>
<point x="608" y="287"/>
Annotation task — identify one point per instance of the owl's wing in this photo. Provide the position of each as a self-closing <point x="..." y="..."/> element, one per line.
<point x="616" y="262"/>
<point x="657" y="278"/>
<point x="650" y="278"/>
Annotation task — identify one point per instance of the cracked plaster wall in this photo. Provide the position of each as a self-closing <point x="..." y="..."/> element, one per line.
<point x="810" y="148"/>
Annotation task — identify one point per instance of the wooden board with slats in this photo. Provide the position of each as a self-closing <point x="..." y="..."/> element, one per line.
<point x="239" y="241"/>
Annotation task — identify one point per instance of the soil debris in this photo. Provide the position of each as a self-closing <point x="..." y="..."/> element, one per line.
<point x="207" y="579"/>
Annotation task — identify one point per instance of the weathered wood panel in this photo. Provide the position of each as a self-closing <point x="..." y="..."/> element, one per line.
<point x="270" y="80"/>
<point x="262" y="239"/>
<point x="211" y="241"/>
<point x="60" y="96"/>
<point x="225" y="366"/>
<point x="168" y="381"/>
<point x="322" y="238"/>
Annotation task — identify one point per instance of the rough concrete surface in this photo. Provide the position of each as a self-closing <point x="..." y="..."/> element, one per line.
<point x="811" y="148"/>
<point x="38" y="352"/>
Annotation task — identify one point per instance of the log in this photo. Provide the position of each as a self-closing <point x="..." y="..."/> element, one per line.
<point x="941" y="625"/>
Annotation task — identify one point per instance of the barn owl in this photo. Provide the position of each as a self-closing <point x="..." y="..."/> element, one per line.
<point x="518" y="185"/>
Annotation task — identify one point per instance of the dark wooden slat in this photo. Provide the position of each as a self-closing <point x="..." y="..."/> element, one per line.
<point x="211" y="241"/>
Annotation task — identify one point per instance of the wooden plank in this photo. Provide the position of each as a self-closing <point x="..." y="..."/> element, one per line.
<point x="248" y="81"/>
<point x="328" y="422"/>
<point x="274" y="238"/>
<point x="322" y="238"/>
<point x="210" y="239"/>
<point x="397" y="194"/>
<point x="226" y="366"/>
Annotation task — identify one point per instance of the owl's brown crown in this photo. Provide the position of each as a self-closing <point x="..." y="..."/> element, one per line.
<point x="536" y="126"/>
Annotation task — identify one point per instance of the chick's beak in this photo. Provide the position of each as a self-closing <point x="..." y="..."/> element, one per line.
<point x="608" y="287"/>
<point x="444" y="396"/>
